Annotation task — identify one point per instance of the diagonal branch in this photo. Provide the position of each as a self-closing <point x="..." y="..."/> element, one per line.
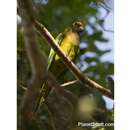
<point x="71" y="66"/>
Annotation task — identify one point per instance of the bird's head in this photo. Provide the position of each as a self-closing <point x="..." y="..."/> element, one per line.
<point x="78" y="26"/>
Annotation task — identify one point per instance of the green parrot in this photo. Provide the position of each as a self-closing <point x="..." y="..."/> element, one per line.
<point x="69" y="43"/>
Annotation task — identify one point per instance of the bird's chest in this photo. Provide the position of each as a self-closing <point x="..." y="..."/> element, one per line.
<point x="69" y="46"/>
<point x="72" y="39"/>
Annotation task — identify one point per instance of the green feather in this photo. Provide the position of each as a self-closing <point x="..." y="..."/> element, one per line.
<point x="52" y="53"/>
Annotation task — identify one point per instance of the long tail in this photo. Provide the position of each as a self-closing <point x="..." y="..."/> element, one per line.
<point x="45" y="90"/>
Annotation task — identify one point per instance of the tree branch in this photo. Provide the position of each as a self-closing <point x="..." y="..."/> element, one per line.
<point x="71" y="66"/>
<point x="38" y="66"/>
<point x="69" y="83"/>
<point x="22" y="85"/>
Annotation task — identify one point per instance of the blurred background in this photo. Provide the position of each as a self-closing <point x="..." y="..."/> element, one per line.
<point x="95" y="57"/>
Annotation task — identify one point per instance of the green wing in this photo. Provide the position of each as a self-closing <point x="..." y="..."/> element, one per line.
<point x="52" y="54"/>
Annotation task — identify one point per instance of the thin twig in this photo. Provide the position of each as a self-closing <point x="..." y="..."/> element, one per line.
<point x="69" y="83"/>
<point x="72" y="67"/>
<point x="22" y="85"/>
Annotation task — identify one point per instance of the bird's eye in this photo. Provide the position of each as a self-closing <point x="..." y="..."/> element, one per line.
<point x="77" y="24"/>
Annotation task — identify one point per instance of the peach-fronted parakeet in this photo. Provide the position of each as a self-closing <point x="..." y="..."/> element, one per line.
<point x="69" y="43"/>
